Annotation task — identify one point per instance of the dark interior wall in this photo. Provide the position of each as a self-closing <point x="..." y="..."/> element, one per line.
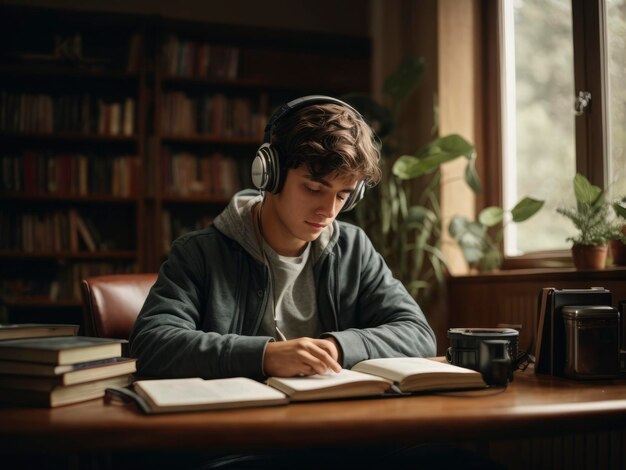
<point x="348" y="17"/>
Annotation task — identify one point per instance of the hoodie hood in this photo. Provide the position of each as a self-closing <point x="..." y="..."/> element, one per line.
<point x="237" y="222"/>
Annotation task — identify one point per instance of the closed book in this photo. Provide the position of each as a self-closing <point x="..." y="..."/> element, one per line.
<point x="62" y="394"/>
<point x="31" y="375"/>
<point x="196" y="394"/>
<point x="35" y="330"/>
<point x="60" y="350"/>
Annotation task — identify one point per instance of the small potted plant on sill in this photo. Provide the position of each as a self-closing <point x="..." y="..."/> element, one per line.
<point x="618" y="246"/>
<point x="480" y="249"/>
<point x="592" y="219"/>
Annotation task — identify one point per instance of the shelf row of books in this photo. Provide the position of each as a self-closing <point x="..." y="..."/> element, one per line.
<point x="213" y="175"/>
<point x="82" y="113"/>
<point x="61" y="285"/>
<point x="192" y="59"/>
<point x="35" y="173"/>
<point x="217" y="115"/>
<point x="50" y="232"/>
<point x="174" y="226"/>
<point x="49" y="366"/>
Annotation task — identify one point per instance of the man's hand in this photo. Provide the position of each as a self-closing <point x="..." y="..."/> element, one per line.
<point x="301" y="356"/>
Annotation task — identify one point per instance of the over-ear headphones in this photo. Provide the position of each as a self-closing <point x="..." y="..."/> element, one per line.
<point x="266" y="172"/>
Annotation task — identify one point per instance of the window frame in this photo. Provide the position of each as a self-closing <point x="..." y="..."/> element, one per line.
<point x="589" y="42"/>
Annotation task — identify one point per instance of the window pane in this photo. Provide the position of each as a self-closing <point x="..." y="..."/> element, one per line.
<point x="539" y="129"/>
<point x="616" y="40"/>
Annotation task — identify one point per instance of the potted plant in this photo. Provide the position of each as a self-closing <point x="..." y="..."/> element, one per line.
<point x="480" y="248"/>
<point x="618" y="246"/>
<point x="402" y="214"/>
<point x="592" y="219"/>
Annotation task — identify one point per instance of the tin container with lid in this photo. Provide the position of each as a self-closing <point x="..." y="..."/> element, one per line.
<point x="591" y="341"/>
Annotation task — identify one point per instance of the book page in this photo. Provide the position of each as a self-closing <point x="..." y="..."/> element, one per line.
<point x="317" y="382"/>
<point x="399" y="368"/>
<point x="345" y="384"/>
<point x="413" y="374"/>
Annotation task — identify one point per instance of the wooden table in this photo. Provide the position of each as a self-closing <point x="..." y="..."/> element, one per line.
<point x="531" y="408"/>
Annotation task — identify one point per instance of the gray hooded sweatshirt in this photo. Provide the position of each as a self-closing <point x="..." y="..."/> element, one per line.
<point x="211" y="311"/>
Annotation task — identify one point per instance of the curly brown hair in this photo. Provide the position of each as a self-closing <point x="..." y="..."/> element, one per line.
<point x="328" y="138"/>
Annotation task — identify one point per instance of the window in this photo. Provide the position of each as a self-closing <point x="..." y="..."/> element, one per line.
<point x="616" y="59"/>
<point x="550" y="52"/>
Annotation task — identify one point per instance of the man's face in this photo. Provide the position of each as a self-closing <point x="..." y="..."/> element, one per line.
<point x="304" y="208"/>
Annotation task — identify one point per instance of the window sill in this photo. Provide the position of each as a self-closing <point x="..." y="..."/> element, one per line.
<point x="544" y="273"/>
<point x="542" y="259"/>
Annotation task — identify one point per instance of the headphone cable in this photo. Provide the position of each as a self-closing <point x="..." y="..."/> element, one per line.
<point x="261" y="241"/>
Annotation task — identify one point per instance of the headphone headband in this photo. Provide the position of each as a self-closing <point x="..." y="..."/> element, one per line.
<point x="300" y="103"/>
<point x="266" y="164"/>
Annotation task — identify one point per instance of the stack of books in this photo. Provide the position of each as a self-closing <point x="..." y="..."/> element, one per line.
<point x="48" y="365"/>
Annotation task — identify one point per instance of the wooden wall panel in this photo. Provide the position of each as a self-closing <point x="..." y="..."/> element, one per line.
<point x="603" y="450"/>
<point x="510" y="297"/>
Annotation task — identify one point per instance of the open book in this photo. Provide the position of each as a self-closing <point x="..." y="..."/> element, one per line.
<point x="373" y="377"/>
<point x="194" y="394"/>
<point x="379" y="376"/>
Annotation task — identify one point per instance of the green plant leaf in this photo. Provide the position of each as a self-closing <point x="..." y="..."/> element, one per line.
<point x="429" y="157"/>
<point x="457" y="226"/>
<point x="417" y="285"/>
<point x="400" y="84"/>
<point x="619" y="209"/>
<point x="526" y="208"/>
<point x="471" y="175"/>
<point x="471" y="236"/>
<point x="405" y="167"/>
<point x="492" y="259"/>
<point x="420" y="214"/>
<point x="491" y="216"/>
<point x="452" y="144"/>
<point x="438" y="262"/>
<point x="585" y="192"/>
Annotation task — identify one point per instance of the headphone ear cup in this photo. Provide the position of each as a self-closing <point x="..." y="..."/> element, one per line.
<point x="266" y="169"/>
<point x="354" y="197"/>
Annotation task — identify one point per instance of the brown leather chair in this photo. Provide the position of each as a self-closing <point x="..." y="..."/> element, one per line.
<point x="111" y="303"/>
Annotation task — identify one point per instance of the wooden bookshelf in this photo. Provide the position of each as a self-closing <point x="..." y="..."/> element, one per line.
<point x="72" y="127"/>
<point x="200" y="95"/>
<point x="226" y="71"/>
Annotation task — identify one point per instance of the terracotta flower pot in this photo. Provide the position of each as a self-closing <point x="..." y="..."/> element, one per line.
<point x="618" y="250"/>
<point x="589" y="256"/>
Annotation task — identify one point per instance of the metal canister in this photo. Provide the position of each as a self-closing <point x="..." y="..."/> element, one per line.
<point x="592" y="337"/>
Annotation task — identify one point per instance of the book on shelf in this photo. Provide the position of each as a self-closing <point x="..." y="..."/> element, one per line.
<point x="61" y="350"/>
<point x="128" y="125"/>
<point x="380" y="376"/>
<point x="33" y="374"/>
<point x="83" y="231"/>
<point x="72" y="217"/>
<point x="374" y="377"/>
<point x="133" y="62"/>
<point x="59" y="395"/>
<point x="35" y="330"/>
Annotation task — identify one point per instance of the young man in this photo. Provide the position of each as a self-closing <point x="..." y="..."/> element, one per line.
<point x="277" y="286"/>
